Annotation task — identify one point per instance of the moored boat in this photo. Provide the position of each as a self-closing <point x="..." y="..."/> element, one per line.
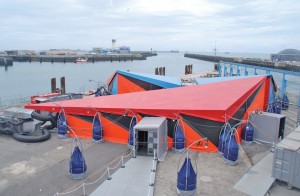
<point x="81" y="60"/>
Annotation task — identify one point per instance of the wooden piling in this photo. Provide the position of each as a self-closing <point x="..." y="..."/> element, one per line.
<point x="53" y="85"/>
<point x="63" y="85"/>
<point x="156" y="71"/>
<point x="216" y="66"/>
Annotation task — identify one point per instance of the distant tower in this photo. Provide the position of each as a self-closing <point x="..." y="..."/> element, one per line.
<point x="113" y="41"/>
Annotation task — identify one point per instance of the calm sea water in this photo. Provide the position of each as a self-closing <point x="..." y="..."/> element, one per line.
<point x="26" y="79"/>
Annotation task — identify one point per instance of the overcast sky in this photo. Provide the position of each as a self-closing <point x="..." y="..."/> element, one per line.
<point x="262" y="26"/>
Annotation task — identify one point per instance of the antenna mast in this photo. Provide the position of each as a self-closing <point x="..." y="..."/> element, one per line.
<point x="215" y="48"/>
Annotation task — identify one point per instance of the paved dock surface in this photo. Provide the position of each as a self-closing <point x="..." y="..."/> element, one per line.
<point x="42" y="168"/>
<point x="214" y="177"/>
<point x="134" y="179"/>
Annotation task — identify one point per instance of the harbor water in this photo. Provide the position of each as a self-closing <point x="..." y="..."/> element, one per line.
<point x="24" y="79"/>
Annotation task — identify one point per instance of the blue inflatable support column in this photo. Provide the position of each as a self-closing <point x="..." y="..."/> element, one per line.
<point x="62" y="126"/>
<point x="270" y="108"/>
<point x="285" y="102"/>
<point x="187" y="179"/>
<point x="224" y="134"/>
<point x="131" y="142"/>
<point x="97" y="130"/>
<point x="283" y="97"/>
<point x="77" y="165"/>
<point x="247" y="133"/>
<point x="231" y="150"/>
<point x="277" y="106"/>
<point x="178" y="139"/>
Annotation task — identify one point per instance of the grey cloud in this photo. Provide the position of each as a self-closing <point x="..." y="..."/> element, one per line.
<point x="252" y="26"/>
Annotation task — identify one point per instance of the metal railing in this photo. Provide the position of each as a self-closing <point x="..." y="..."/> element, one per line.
<point x="289" y="82"/>
<point x="14" y="101"/>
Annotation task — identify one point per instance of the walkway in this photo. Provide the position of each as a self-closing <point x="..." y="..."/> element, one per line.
<point x="258" y="180"/>
<point x="134" y="179"/>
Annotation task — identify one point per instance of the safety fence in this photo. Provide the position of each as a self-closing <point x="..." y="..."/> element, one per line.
<point x="152" y="175"/>
<point x="13" y="101"/>
<point x="87" y="188"/>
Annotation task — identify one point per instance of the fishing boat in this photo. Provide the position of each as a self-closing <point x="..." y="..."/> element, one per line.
<point x="81" y="60"/>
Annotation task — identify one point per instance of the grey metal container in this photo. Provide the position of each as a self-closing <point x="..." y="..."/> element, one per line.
<point x="286" y="162"/>
<point x="20" y="113"/>
<point x="268" y="127"/>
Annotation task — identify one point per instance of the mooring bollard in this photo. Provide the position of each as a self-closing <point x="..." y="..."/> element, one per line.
<point x="122" y="163"/>
<point x="109" y="176"/>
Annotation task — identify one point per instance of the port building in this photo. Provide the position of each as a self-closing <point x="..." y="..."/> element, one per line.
<point x="286" y="55"/>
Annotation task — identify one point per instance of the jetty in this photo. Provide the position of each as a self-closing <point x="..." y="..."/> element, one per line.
<point x="72" y="58"/>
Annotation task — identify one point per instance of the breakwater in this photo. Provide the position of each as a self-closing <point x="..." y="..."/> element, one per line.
<point x="90" y="58"/>
<point x="249" y="61"/>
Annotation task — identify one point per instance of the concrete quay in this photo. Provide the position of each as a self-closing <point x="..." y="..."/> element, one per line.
<point x="42" y="168"/>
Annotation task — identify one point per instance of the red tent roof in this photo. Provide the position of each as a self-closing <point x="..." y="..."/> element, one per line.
<point x="209" y="101"/>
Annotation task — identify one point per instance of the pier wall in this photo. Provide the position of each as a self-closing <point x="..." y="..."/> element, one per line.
<point x="231" y="59"/>
<point x="6" y="61"/>
<point x="256" y="62"/>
